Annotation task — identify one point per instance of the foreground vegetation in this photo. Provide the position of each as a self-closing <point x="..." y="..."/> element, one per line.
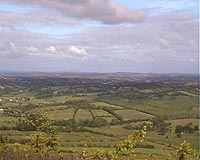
<point x="84" y="118"/>
<point x="42" y="145"/>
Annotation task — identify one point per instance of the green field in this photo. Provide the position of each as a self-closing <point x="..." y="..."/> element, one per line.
<point x="107" y="115"/>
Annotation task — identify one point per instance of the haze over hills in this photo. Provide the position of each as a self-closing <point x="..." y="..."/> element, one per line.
<point x="95" y="75"/>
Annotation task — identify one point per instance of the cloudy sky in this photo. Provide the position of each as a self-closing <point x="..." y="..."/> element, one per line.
<point x="159" y="36"/>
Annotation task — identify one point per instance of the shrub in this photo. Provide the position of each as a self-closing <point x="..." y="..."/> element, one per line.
<point x="184" y="152"/>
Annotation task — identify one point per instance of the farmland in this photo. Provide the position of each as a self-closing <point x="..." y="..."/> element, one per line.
<point x="107" y="109"/>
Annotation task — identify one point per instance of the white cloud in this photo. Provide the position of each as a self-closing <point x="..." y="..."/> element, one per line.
<point x="32" y="49"/>
<point x="40" y="17"/>
<point x="78" y="52"/>
<point x="115" y="46"/>
<point x="51" y="49"/>
<point x="13" y="47"/>
<point x="105" y="11"/>
<point x="163" y="41"/>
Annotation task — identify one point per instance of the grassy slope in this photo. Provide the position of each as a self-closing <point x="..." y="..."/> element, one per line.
<point x="178" y="106"/>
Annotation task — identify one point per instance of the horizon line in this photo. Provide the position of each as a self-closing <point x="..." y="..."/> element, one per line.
<point x="74" y="71"/>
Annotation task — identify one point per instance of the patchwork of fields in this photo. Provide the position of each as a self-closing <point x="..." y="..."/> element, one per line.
<point x="107" y="110"/>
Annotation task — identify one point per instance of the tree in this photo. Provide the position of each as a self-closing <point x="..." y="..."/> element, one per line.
<point x="184" y="152"/>
<point x="125" y="149"/>
<point x="187" y="128"/>
<point x="160" y="124"/>
<point x="46" y="136"/>
<point x="179" y="129"/>
<point x="3" y="139"/>
<point x="196" y="128"/>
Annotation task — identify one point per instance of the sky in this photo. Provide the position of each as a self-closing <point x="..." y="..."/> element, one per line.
<point x="142" y="36"/>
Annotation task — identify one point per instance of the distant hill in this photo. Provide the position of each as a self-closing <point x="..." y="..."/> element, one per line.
<point x="92" y="75"/>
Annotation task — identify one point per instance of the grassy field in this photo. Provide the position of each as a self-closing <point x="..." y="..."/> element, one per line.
<point x="183" y="121"/>
<point x="172" y="107"/>
<point x="133" y="114"/>
<point x="124" y="110"/>
<point x="63" y="114"/>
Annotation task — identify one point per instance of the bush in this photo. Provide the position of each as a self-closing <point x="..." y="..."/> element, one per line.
<point x="97" y="122"/>
<point x="25" y="152"/>
<point x="184" y="152"/>
<point x="187" y="128"/>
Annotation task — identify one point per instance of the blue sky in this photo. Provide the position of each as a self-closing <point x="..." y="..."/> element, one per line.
<point x="118" y="35"/>
<point x="5" y="6"/>
<point x="56" y="29"/>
